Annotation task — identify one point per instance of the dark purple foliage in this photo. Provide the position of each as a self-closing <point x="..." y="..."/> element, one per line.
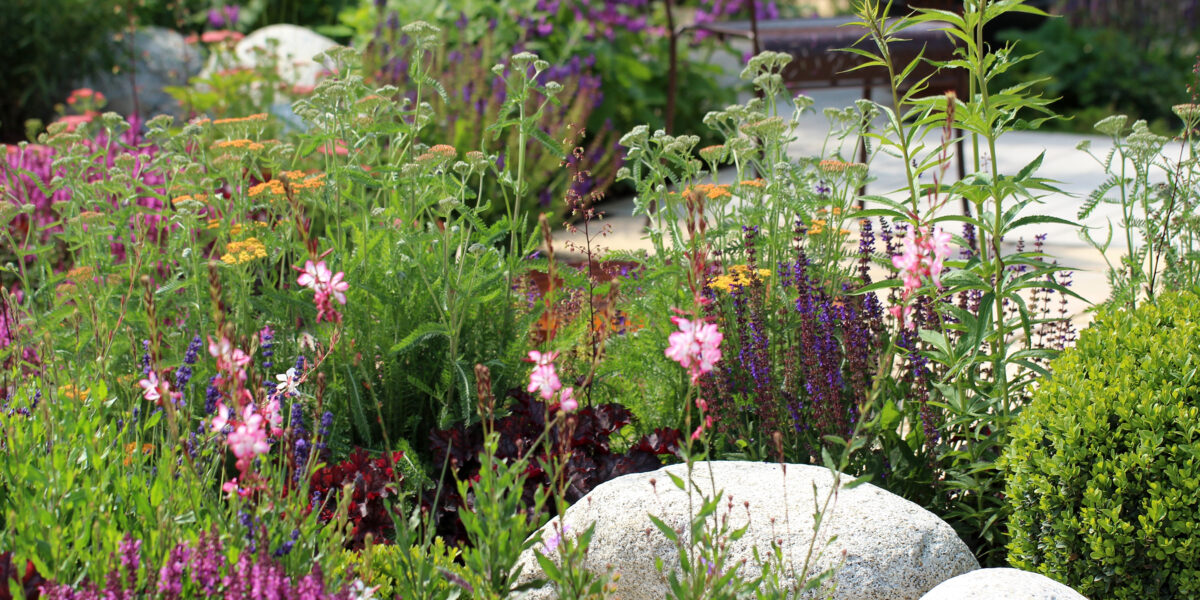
<point x="374" y="480"/>
<point x="590" y="459"/>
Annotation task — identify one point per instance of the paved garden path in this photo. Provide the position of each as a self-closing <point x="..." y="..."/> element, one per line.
<point x="1077" y="174"/>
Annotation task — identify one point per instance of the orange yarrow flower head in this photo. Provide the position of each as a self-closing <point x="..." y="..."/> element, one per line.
<point x="273" y="188"/>
<point x="256" y="118"/>
<point x="89" y="216"/>
<point x="437" y="156"/>
<point x="833" y="166"/>
<point x="82" y="274"/>
<point x="201" y="198"/>
<point x="238" y="144"/>
<point x="310" y="182"/>
<point x="235" y="229"/>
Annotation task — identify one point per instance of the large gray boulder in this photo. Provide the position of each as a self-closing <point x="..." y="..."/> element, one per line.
<point x="292" y="46"/>
<point x="1002" y="584"/>
<point x="160" y="58"/>
<point x="887" y="547"/>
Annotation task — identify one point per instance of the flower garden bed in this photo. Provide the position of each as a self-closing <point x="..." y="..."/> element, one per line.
<point x="244" y="359"/>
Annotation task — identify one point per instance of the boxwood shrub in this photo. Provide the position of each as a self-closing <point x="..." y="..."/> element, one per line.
<point x="1103" y="472"/>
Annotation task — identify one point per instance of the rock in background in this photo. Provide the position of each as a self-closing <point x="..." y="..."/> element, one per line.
<point x="161" y="57"/>
<point x="293" y="48"/>
<point x="894" y="549"/>
<point x="1002" y="584"/>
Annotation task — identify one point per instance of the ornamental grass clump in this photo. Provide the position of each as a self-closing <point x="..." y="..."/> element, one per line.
<point x="1102" y="475"/>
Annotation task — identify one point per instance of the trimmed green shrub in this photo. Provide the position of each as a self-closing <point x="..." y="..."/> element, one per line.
<point x="1103" y="473"/>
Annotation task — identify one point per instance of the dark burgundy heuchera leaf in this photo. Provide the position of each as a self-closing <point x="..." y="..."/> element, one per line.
<point x="591" y="460"/>
<point x="374" y="482"/>
<point x="30" y="580"/>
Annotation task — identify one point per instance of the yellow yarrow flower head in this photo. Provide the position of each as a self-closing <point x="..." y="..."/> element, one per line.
<point x="72" y="392"/>
<point x="738" y="276"/>
<point x="237" y="253"/>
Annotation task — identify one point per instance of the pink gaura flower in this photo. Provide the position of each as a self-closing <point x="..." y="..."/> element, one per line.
<point x="327" y="284"/>
<point x="540" y="359"/>
<point x="221" y="35"/>
<point x="274" y="416"/>
<point x="221" y="419"/>
<point x="567" y="401"/>
<point x="314" y="275"/>
<point x="248" y="439"/>
<point x="923" y="257"/>
<point x="152" y="388"/>
<point x="544" y="380"/>
<point x="337" y="287"/>
<point x="696" y="346"/>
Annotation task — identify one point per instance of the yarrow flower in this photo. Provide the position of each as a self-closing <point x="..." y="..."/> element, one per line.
<point x="696" y="346"/>
<point x="245" y="251"/>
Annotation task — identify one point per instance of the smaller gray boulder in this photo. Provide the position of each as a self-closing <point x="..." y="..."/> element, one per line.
<point x="160" y="57"/>
<point x="1001" y="584"/>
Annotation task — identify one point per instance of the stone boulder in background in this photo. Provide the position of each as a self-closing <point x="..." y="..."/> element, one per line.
<point x="160" y="57"/>
<point x="1002" y="584"/>
<point x="894" y="549"/>
<point x="291" y="46"/>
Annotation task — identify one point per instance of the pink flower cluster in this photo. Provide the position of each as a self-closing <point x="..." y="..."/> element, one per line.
<point x="155" y="389"/>
<point x="923" y="256"/>
<point x="696" y="346"/>
<point x="544" y="381"/>
<point x="247" y="436"/>
<point x="327" y="285"/>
